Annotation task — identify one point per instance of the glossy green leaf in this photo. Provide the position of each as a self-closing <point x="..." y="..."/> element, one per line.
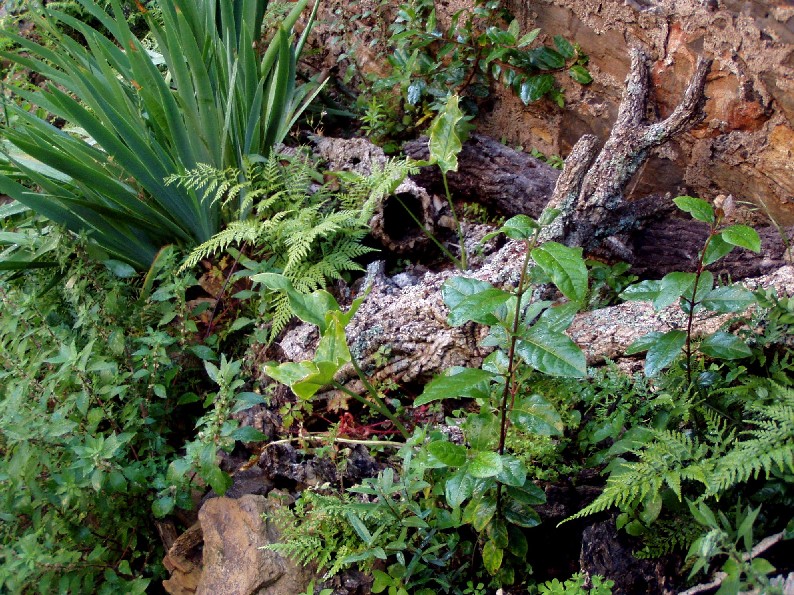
<point x="644" y="343"/>
<point x="672" y="287"/>
<point x="478" y="307"/>
<point x="742" y="236"/>
<point x="564" y="47"/>
<point x="558" y="318"/>
<point x="519" y="227"/>
<point x="513" y="473"/>
<point x="452" y="455"/>
<point x="492" y="556"/>
<point x="716" y="249"/>
<point x="697" y="207"/>
<point x="459" y="488"/>
<point x="732" y="298"/>
<point x="456" y="289"/>
<point x="517" y="542"/>
<point x="485" y="464"/>
<point x="521" y="514"/>
<point x="484" y="511"/>
<point x="551" y="353"/>
<point x="445" y="140"/>
<point x="580" y="74"/>
<point x="453" y="386"/>
<point x="535" y="87"/>
<point x="536" y="415"/>
<point x="528" y="38"/>
<point x="482" y="431"/>
<point x="643" y="291"/>
<point x="248" y="434"/>
<point x="528" y="494"/>
<point x="497" y="532"/>
<point x="546" y="58"/>
<point x="565" y="266"/>
<point x="724" y="345"/>
<point x="662" y="353"/>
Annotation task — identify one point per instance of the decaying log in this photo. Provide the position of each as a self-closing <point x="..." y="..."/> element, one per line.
<point x="590" y="192"/>
<point x="395" y="229"/>
<point x="506" y="181"/>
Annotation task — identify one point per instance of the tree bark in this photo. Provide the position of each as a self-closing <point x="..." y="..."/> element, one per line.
<point x="589" y="194"/>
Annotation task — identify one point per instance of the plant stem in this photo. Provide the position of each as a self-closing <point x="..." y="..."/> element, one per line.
<point x="431" y="237"/>
<point x="692" y="303"/>
<point x="511" y="360"/>
<point x="463" y="264"/>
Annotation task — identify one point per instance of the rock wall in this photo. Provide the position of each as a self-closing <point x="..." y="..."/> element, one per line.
<point x="745" y="146"/>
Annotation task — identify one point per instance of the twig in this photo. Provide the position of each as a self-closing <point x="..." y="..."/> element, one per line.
<point x="324" y="436"/>
<point x="759" y="549"/>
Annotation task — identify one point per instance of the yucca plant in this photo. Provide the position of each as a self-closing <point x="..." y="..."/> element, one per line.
<point x="206" y="94"/>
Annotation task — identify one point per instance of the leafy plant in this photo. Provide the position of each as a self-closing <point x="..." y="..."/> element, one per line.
<point x="578" y="584"/>
<point x="205" y="95"/>
<point x="309" y="232"/>
<point x="480" y="46"/>
<point x="490" y="481"/>
<point x="696" y="291"/>
<point x="306" y="378"/>
<point x="743" y="571"/>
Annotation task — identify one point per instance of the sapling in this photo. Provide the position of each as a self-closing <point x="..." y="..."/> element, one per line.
<point x="695" y="292"/>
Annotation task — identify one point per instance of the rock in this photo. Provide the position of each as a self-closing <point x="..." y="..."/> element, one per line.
<point x="234" y="531"/>
<point x="183" y="561"/>
<point x="608" y="553"/>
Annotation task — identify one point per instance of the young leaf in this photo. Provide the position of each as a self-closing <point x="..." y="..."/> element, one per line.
<point x="445" y="141"/>
<point x="724" y="345"/>
<point x="528" y="38"/>
<point x="482" y="431"/>
<point x="697" y="207"/>
<point x="716" y="249"/>
<point x="566" y="267"/>
<point x="580" y="74"/>
<point x="551" y="353"/>
<point x="452" y="455"/>
<point x="742" y="236"/>
<point x="478" y="307"/>
<point x="492" y="556"/>
<point x="672" y="287"/>
<point x="519" y="227"/>
<point x="662" y="353"/>
<point x="459" y="488"/>
<point x="535" y="87"/>
<point x="485" y="464"/>
<point x="454" y="386"/>
<point x="456" y="289"/>
<point x="731" y="298"/>
<point x="248" y="434"/>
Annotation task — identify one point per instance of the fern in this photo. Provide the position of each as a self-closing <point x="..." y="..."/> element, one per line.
<point x="669" y="535"/>
<point x="312" y="231"/>
<point x="721" y="461"/>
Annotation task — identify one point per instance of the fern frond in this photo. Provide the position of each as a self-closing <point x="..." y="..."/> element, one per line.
<point x="236" y="233"/>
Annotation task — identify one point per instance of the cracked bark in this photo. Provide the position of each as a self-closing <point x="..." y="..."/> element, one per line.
<point x="589" y="193"/>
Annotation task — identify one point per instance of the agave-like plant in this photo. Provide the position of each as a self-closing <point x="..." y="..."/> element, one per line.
<point x="207" y="93"/>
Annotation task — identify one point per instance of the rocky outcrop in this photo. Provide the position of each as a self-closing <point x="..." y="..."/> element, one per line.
<point x="222" y="553"/>
<point x="744" y="145"/>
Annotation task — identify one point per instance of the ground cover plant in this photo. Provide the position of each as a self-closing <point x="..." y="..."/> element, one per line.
<point x="127" y="366"/>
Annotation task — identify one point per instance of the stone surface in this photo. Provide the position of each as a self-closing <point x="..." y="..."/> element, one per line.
<point x="234" y="531"/>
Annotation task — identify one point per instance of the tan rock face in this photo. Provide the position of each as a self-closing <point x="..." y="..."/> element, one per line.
<point x="743" y="146"/>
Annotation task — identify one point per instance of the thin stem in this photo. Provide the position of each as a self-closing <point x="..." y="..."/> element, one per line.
<point x="431" y="237"/>
<point x="692" y="301"/>
<point x="463" y="264"/>
<point x="511" y="360"/>
<point x="323" y="436"/>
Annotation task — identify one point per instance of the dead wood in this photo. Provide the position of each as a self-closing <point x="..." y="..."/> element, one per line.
<point x="589" y="194"/>
<point x="506" y="181"/>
